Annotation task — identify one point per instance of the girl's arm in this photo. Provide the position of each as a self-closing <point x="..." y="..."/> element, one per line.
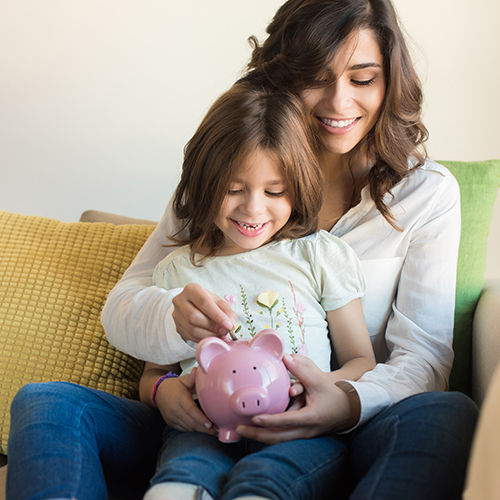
<point x="174" y="398"/>
<point x="350" y="341"/>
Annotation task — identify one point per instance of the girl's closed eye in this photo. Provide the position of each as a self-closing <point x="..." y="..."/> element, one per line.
<point x="276" y="194"/>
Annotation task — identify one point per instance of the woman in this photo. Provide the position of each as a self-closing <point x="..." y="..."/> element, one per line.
<point x="348" y="62"/>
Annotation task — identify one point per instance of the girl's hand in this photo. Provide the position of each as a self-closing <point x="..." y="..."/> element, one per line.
<point x="321" y="408"/>
<point x="177" y="407"/>
<point x="199" y="313"/>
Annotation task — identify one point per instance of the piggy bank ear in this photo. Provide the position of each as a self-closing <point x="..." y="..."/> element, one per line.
<point x="271" y="341"/>
<point x="208" y="349"/>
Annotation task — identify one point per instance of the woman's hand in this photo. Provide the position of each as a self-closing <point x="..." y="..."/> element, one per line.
<point x="199" y="313"/>
<point x="177" y="407"/>
<point x="320" y="407"/>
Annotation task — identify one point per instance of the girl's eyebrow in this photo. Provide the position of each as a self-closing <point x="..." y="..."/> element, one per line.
<point x="270" y="183"/>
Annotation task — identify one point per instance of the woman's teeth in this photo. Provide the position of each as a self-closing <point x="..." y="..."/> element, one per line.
<point x="251" y="227"/>
<point x="339" y="123"/>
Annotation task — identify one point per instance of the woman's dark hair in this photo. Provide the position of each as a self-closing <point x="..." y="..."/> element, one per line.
<point x="304" y="37"/>
<point x="242" y="120"/>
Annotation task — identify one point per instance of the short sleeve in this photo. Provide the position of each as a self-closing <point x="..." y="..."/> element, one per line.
<point x="337" y="270"/>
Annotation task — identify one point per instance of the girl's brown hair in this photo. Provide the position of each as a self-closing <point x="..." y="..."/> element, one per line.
<point x="242" y="120"/>
<point x="305" y="35"/>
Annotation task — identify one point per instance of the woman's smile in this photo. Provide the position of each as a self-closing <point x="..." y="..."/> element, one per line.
<point x="339" y="126"/>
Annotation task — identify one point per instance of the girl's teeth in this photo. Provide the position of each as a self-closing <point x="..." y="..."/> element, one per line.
<point x="338" y="124"/>
<point x="251" y="227"/>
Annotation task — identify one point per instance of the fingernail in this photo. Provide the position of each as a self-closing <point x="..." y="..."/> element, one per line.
<point x="227" y="325"/>
<point x="289" y="358"/>
<point x="208" y="425"/>
<point x="257" y="421"/>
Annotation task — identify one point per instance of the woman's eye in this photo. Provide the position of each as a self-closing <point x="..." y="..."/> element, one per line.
<point x="234" y="191"/>
<point x="275" y="193"/>
<point x="363" y="83"/>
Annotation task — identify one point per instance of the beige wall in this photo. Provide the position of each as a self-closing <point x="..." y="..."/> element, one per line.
<point x="98" y="97"/>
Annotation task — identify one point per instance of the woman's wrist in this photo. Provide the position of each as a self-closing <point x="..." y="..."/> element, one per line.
<point x="157" y="384"/>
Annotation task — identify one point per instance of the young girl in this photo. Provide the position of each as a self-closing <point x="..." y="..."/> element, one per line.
<point x="249" y="198"/>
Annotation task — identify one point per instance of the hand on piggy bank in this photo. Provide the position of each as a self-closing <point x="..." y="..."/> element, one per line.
<point x="239" y="379"/>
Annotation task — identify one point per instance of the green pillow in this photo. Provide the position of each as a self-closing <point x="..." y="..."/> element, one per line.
<point x="479" y="182"/>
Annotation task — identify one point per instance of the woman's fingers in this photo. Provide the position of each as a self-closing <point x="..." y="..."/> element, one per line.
<point x="273" y="435"/>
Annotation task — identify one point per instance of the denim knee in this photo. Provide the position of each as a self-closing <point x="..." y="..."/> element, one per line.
<point x="38" y="400"/>
<point x="418" y="448"/>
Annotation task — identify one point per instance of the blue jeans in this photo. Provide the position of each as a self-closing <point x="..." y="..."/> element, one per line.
<point x="69" y="441"/>
<point x="416" y="449"/>
<point x="304" y="468"/>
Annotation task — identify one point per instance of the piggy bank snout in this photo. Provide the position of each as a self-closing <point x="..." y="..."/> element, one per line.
<point x="249" y="401"/>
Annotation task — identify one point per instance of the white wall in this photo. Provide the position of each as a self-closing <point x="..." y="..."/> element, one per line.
<point x="98" y="97"/>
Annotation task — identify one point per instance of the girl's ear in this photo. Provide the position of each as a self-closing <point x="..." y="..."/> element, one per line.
<point x="208" y="349"/>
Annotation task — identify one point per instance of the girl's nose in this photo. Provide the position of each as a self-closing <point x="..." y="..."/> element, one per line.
<point x="254" y="204"/>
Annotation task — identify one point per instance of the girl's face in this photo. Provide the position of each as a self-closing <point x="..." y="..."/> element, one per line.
<point x="256" y="206"/>
<point x="347" y="109"/>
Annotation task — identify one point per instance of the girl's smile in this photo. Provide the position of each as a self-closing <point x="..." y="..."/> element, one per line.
<point x="250" y="230"/>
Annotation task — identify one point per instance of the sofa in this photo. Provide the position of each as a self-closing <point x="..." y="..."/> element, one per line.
<point x="55" y="277"/>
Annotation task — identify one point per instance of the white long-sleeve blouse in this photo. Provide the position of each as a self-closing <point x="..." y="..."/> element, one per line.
<point x="409" y="301"/>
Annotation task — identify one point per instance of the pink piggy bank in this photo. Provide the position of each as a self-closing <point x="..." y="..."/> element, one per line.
<point x="239" y="379"/>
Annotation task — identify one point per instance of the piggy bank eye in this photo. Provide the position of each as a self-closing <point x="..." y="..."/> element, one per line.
<point x="255" y="368"/>
<point x="234" y="371"/>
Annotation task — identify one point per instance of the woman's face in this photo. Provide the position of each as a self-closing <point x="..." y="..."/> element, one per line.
<point x="348" y="108"/>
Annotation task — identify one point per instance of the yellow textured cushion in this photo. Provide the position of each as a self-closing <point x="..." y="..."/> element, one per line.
<point x="54" y="280"/>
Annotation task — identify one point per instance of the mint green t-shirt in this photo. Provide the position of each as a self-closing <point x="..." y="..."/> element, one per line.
<point x="286" y="285"/>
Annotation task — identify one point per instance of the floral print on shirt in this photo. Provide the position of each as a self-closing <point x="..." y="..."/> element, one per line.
<point x="270" y="304"/>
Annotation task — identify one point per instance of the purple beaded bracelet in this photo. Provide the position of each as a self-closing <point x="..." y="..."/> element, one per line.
<point x="160" y="380"/>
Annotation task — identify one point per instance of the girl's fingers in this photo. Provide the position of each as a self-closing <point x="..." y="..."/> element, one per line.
<point x="199" y="313"/>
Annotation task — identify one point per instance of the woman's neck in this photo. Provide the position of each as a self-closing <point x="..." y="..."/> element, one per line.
<point x="344" y="178"/>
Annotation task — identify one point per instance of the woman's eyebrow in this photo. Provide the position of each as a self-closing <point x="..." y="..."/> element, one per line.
<point x="355" y="67"/>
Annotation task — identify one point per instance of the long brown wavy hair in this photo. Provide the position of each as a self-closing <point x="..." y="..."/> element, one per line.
<point x="242" y="120"/>
<point x="303" y="39"/>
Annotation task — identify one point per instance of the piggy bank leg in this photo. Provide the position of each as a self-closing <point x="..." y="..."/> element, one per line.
<point x="227" y="435"/>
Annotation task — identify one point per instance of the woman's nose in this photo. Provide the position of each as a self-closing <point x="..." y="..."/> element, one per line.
<point x="338" y="96"/>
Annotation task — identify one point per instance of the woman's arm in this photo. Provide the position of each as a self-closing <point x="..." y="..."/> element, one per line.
<point x="419" y="329"/>
<point x="323" y="407"/>
<point x="138" y="317"/>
